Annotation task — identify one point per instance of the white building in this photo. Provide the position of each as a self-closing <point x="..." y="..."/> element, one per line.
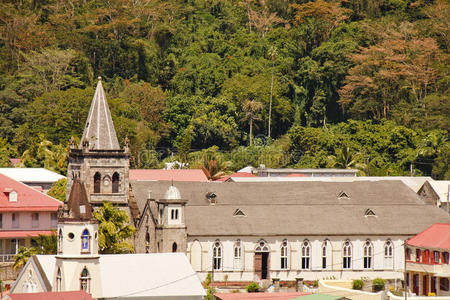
<point x="78" y="266"/>
<point x="39" y="178"/>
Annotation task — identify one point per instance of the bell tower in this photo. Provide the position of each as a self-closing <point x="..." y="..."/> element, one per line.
<point x="98" y="161"/>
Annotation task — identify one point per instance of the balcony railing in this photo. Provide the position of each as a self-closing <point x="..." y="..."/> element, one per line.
<point x="6" y="257"/>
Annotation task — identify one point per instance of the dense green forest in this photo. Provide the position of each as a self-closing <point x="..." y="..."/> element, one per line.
<point x="227" y="83"/>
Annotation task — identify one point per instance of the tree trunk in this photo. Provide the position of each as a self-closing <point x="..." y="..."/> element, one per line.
<point x="251" y="131"/>
<point x="270" y="101"/>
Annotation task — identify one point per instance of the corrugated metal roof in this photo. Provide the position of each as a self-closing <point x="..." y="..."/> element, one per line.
<point x="28" y="198"/>
<point x="435" y="236"/>
<point x="31" y="174"/>
<point x="169" y="175"/>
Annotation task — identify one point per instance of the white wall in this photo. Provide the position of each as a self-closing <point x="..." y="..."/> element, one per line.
<point x="334" y="258"/>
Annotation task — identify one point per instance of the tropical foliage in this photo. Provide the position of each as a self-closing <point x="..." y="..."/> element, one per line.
<point x="114" y="230"/>
<point x="194" y="74"/>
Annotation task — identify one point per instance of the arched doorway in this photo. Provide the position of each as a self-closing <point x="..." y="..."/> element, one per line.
<point x="262" y="260"/>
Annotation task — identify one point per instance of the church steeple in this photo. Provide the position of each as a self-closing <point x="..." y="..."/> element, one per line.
<point x="99" y="129"/>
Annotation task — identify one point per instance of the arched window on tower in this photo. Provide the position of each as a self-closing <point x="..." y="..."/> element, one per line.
<point x="85" y="241"/>
<point x="97" y="181"/>
<point x="84" y="280"/>
<point x="115" y="182"/>
<point x="60" y="240"/>
<point x="174" y="247"/>
<point x="147" y="242"/>
<point x="58" y="280"/>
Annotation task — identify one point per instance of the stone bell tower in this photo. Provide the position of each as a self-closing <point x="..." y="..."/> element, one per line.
<point x="98" y="161"/>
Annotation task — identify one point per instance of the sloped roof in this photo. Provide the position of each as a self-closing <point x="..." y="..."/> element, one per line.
<point x="26" y="233"/>
<point x="237" y="174"/>
<point x="441" y="187"/>
<point x="169" y="175"/>
<point x="78" y="206"/>
<point x="72" y="295"/>
<point x="414" y="183"/>
<point x="31" y="174"/>
<point x="28" y="198"/>
<point x="140" y="275"/>
<point x="99" y="128"/>
<point x="299" y="208"/>
<point x="435" y="236"/>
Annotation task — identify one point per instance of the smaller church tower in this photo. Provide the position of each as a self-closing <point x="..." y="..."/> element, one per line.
<point x="171" y="228"/>
<point x="77" y="258"/>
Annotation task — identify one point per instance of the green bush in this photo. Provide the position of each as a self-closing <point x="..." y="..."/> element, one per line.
<point x="378" y="284"/>
<point x="358" y="284"/>
<point x="252" y="287"/>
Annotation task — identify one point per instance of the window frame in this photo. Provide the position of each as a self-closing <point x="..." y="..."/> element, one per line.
<point x="35" y="220"/>
<point x="85" y="280"/>
<point x="284" y="260"/>
<point x="237" y="255"/>
<point x="15" y="220"/>
<point x="368" y="255"/>
<point x="115" y="183"/>
<point x="85" y="240"/>
<point x="306" y="255"/>
<point x="217" y="256"/>
<point x="347" y="252"/>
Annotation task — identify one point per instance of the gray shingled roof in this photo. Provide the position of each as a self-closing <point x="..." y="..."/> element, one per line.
<point x="299" y="208"/>
<point x="99" y="128"/>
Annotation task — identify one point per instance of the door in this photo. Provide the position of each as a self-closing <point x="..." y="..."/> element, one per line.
<point x="433" y="285"/>
<point x="265" y="265"/>
<point x="425" y="285"/>
<point x="258" y="264"/>
<point x="416" y="284"/>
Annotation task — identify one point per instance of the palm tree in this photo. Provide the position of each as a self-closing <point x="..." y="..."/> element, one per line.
<point x="251" y="110"/>
<point x="114" y="230"/>
<point x="345" y="159"/>
<point x="213" y="169"/>
<point x="22" y="256"/>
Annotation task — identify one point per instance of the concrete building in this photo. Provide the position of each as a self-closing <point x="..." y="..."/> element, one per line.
<point x="427" y="261"/>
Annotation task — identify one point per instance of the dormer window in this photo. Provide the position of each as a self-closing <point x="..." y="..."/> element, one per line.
<point x="12" y="194"/>
<point x="239" y="213"/>
<point x="343" y="195"/>
<point x="369" y="213"/>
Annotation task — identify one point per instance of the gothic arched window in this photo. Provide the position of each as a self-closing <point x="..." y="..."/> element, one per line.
<point x="284" y="255"/>
<point x="367" y="249"/>
<point x="97" y="181"/>
<point x="237" y="255"/>
<point x="85" y="239"/>
<point x="347" y="255"/>
<point x="60" y="240"/>
<point x="306" y="255"/>
<point x="58" y="280"/>
<point x="174" y="247"/>
<point x="217" y="255"/>
<point x="84" y="280"/>
<point x="115" y="182"/>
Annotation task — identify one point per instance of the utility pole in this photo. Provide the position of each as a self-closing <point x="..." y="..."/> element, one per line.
<point x="406" y="275"/>
<point x="212" y="279"/>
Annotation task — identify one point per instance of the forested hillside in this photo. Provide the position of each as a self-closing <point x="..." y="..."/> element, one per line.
<point x="226" y="83"/>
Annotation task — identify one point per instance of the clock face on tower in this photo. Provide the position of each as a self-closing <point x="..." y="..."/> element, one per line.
<point x="106" y="181"/>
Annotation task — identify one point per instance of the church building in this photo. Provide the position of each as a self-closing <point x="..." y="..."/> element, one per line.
<point x="246" y="231"/>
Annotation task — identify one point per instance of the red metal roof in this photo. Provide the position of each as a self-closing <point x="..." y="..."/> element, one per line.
<point x="72" y="295"/>
<point x="22" y="234"/>
<point x="265" y="296"/>
<point x="237" y="174"/>
<point x="435" y="236"/>
<point x="297" y="175"/>
<point x="175" y="175"/>
<point x="28" y="198"/>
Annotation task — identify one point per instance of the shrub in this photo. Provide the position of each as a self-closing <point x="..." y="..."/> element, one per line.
<point x="378" y="284"/>
<point x="252" y="287"/>
<point x="358" y="284"/>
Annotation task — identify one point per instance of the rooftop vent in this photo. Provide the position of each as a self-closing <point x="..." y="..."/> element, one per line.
<point x="369" y="213"/>
<point x="211" y="197"/>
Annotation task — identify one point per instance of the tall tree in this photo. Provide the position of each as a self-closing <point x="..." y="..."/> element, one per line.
<point x="251" y="110"/>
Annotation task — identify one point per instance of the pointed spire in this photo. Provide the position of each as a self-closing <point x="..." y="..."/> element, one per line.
<point x="99" y="129"/>
<point x="77" y="207"/>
